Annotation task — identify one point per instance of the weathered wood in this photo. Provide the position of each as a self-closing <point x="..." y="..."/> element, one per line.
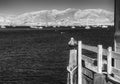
<point x="109" y="60"/>
<point x="110" y="69"/>
<point x="79" y="62"/>
<point x="68" y="78"/>
<point x="94" y="49"/>
<point x="88" y="72"/>
<point x="72" y="41"/>
<point x="88" y="59"/>
<point x="91" y="67"/>
<point x="99" y="79"/>
<point x="71" y="78"/>
<point x="117" y="78"/>
<point x="72" y="59"/>
<point x="115" y="45"/>
<point x="116" y="55"/>
<point x="105" y="52"/>
<point x="113" y="79"/>
<point x="71" y="74"/>
<point x="89" y="63"/>
<point x="86" y="80"/>
<point x="117" y="62"/>
<point x="116" y="71"/>
<point x="100" y="51"/>
<point x="90" y="48"/>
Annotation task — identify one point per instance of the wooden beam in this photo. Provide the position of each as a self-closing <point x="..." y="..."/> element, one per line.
<point x="109" y="60"/>
<point x="88" y="59"/>
<point x="79" y="62"/>
<point x="105" y="52"/>
<point x="91" y="67"/>
<point x="113" y="79"/>
<point x="100" y="56"/>
<point x="88" y="72"/>
<point x="116" y="55"/>
<point x="93" y="49"/>
<point x="116" y="71"/>
<point x="90" y="48"/>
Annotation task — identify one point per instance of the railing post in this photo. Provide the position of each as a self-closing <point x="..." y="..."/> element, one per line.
<point x="72" y="60"/>
<point x="100" y="51"/>
<point x="115" y="45"/>
<point x="79" y="62"/>
<point x="115" y="49"/>
<point x="71" y="78"/>
<point x="109" y="60"/>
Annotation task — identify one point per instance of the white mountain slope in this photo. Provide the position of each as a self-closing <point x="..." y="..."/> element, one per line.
<point x="62" y="17"/>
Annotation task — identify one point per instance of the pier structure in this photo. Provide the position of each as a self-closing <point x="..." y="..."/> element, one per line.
<point x="96" y="66"/>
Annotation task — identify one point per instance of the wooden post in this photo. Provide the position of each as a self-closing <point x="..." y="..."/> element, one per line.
<point x="109" y="60"/>
<point x="68" y="78"/>
<point x="71" y="78"/>
<point x="115" y="49"/>
<point x="115" y="45"/>
<point x="100" y="51"/>
<point x="79" y="62"/>
<point x="72" y="60"/>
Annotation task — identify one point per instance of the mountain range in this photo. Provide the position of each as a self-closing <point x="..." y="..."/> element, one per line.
<point x="60" y="17"/>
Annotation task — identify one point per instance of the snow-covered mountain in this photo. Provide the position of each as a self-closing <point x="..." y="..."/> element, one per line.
<point x="61" y="17"/>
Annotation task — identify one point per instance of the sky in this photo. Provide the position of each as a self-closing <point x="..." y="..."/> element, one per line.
<point x="20" y="6"/>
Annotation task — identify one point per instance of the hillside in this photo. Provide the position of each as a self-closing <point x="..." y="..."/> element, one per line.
<point x="68" y="17"/>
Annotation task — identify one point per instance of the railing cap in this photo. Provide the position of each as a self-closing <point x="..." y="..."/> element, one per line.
<point x="72" y="43"/>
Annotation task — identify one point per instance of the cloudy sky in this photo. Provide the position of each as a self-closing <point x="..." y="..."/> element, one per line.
<point x="20" y="6"/>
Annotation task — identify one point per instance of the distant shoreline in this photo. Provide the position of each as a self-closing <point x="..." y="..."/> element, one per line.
<point x="52" y="29"/>
<point x="57" y="27"/>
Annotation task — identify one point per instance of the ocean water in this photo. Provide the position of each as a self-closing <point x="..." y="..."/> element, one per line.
<point x="41" y="56"/>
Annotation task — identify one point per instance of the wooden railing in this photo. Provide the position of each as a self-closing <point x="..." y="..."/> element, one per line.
<point x="112" y="71"/>
<point x="86" y="64"/>
<point x="89" y="61"/>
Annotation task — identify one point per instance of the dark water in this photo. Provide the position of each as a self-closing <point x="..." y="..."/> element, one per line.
<point x="41" y="57"/>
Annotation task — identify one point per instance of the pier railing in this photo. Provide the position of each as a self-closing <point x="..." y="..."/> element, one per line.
<point x="87" y="66"/>
<point x="113" y="72"/>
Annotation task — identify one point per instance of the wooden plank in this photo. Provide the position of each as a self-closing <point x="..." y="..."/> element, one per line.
<point x="109" y="60"/>
<point x="94" y="49"/>
<point x="87" y="72"/>
<point x="91" y="67"/>
<point x="113" y="79"/>
<point x="68" y="78"/>
<point x="88" y="59"/>
<point x="116" y="55"/>
<point x="79" y="62"/>
<point x="116" y="71"/>
<point x="115" y="45"/>
<point x="100" y="56"/>
<point x="72" y="59"/>
<point x="86" y="80"/>
<point x="90" y="48"/>
<point x="117" y="77"/>
<point x="105" y="52"/>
